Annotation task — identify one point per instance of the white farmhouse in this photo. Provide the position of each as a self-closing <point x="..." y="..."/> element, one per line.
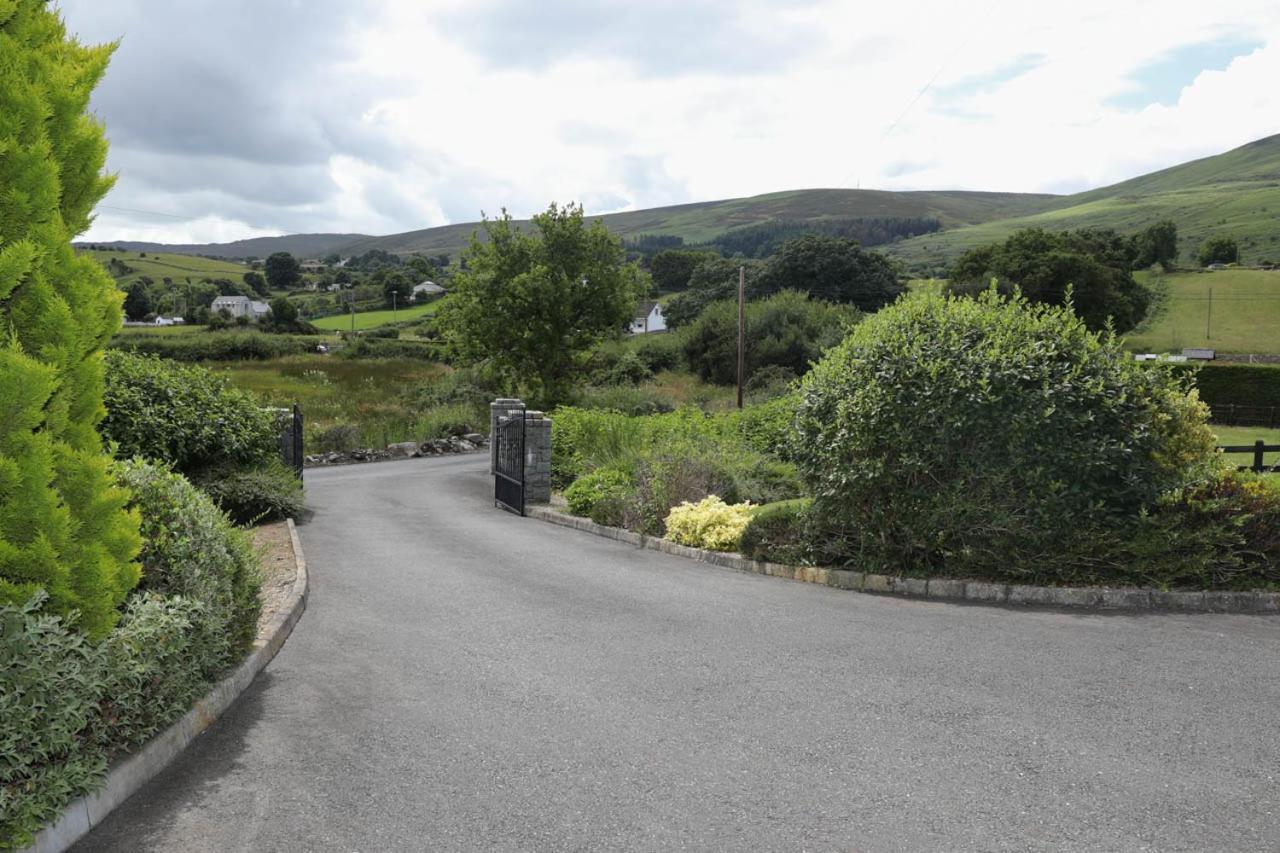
<point x="240" y="306"/>
<point x="427" y="290"/>
<point x="648" y="319"/>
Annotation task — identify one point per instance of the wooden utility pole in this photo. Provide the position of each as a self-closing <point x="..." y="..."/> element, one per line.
<point x="1208" y="320"/>
<point x="742" y="329"/>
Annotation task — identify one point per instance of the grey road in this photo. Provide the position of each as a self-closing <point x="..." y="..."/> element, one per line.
<point x="465" y="679"/>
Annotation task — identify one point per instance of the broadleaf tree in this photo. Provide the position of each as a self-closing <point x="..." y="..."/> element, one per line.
<point x="531" y="304"/>
<point x="65" y="526"/>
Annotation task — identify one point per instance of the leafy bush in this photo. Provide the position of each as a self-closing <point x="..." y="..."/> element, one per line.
<point x="661" y="351"/>
<point x="52" y="684"/>
<point x="710" y="523"/>
<point x="215" y="346"/>
<point x="366" y="347"/>
<point x="787" y="330"/>
<point x="778" y="532"/>
<point x="668" y="477"/>
<point x="1223" y="385"/>
<point x="338" y="437"/>
<point x="601" y="495"/>
<point x="268" y="492"/>
<point x="183" y="415"/>
<point x="768" y="427"/>
<point x="191" y="550"/>
<point x="984" y="436"/>
<point x="628" y="399"/>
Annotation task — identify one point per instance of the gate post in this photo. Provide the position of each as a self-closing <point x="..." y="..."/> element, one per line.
<point x="537" y="454"/>
<point x="499" y="409"/>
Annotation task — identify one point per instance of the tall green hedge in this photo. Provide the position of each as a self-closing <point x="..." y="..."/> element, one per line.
<point x="1223" y="384"/>
<point x="64" y="526"/>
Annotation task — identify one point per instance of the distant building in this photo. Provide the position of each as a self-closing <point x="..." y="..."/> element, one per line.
<point x="1216" y="265"/>
<point x="427" y="290"/>
<point x="1200" y="354"/>
<point x="169" y="321"/>
<point x="236" y="306"/>
<point x="648" y="319"/>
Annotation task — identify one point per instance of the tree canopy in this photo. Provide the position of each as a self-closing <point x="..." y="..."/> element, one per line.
<point x="283" y="271"/>
<point x="1093" y="265"/>
<point x="1219" y="250"/>
<point x="530" y="305"/>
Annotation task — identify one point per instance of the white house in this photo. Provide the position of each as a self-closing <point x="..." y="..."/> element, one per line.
<point x="648" y="319"/>
<point x="236" y="306"/>
<point x="427" y="290"/>
<point x="240" y="306"/>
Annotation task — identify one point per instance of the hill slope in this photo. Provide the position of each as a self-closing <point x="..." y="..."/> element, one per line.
<point x="1236" y="193"/>
<point x="161" y="265"/>
<point x="695" y="222"/>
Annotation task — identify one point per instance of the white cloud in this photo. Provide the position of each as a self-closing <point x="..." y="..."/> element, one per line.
<point x="448" y="129"/>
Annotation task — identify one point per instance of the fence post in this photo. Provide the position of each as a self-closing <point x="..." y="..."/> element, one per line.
<point x="1257" y="455"/>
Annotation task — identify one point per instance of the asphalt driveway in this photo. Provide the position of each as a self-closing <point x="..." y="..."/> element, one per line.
<point x="466" y="679"/>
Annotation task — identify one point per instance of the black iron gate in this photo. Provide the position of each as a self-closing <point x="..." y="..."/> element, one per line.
<point x="508" y="472"/>
<point x="291" y="439"/>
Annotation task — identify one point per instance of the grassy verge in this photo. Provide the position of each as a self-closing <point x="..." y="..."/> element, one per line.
<point x="1242" y="315"/>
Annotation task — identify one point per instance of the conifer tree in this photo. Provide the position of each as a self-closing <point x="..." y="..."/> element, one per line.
<point x="64" y="525"/>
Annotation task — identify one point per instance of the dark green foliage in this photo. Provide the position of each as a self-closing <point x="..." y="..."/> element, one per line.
<point x="183" y="415"/>
<point x="63" y="525"/>
<point x="1218" y="250"/>
<point x="660" y="352"/>
<point x="833" y="270"/>
<point x="714" y="279"/>
<point x="338" y="437"/>
<point x="1222" y="384"/>
<point x="672" y="269"/>
<point x="669" y="476"/>
<point x="377" y="347"/>
<point x="215" y="346"/>
<point x="268" y="492"/>
<point x="984" y="436"/>
<point x="255" y="282"/>
<point x="1093" y="265"/>
<point x="283" y="271"/>
<point x="787" y="330"/>
<point x="137" y="304"/>
<point x="52" y="682"/>
<point x="601" y="495"/>
<point x="1156" y="245"/>
<point x="763" y="239"/>
<point x="778" y="533"/>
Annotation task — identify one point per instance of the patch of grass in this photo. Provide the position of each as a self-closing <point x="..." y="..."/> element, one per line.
<point x="160" y="330"/>
<point x="374" y="395"/>
<point x="1242" y="317"/>
<point x="159" y="265"/>
<point x="1238" y="435"/>
<point x="373" y="319"/>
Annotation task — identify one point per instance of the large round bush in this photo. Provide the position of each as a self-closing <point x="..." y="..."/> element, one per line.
<point x="986" y="436"/>
<point x="184" y="415"/>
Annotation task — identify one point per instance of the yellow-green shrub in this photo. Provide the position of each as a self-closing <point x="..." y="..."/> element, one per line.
<point x="710" y="523"/>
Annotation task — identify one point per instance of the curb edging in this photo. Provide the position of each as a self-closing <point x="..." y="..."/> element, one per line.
<point x="943" y="589"/>
<point x="129" y="774"/>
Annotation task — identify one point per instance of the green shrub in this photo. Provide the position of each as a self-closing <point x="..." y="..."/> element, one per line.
<point x="984" y="436"/>
<point x="672" y="476"/>
<point x="191" y="550"/>
<point x="660" y="352"/>
<point x="366" y="347"/>
<point x="768" y="427"/>
<point x="451" y="419"/>
<point x="215" y="346"/>
<point x="183" y="415"/>
<point x="710" y="523"/>
<point x="338" y="437"/>
<point x="778" y="533"/>
<point x="628" y="399"/>
<point x="601" y="496"/>
<point x="268" y="492"/>
<point x="52" y="684"/>
<point x="786" y="330"/>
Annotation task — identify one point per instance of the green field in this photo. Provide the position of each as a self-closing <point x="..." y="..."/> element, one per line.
<point x="159" y="266"/>
<point x="1238" y="436"/>
<point x="373" y="319"/>
<point x="160" y="330"/>
<point x="1243" y="315"/>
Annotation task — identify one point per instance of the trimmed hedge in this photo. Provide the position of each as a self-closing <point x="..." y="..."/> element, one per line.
<point x="1224" y="384"/>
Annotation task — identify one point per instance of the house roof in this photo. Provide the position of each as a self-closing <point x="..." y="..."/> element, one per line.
<point x="428" y="287"/>
<point x="645" y="308"/>
<point x="230" y="300"/>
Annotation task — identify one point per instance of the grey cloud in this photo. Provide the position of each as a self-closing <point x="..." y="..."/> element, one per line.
<point x="660" y="37"/>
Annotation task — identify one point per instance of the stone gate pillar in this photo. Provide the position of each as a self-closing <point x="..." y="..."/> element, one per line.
<point x="537" y="458"/>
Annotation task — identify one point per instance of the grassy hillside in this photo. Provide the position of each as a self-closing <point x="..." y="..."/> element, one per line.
<point x="302" y="246"/>
<point x="1236" y="193"/>
<point x="694" y="222"/>
<point x="1243" y="316"/>
<point x="373" y="319"/>
<point x="175" y="266"/>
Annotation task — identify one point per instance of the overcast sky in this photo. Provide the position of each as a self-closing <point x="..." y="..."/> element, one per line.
<point x="238" y="118"/>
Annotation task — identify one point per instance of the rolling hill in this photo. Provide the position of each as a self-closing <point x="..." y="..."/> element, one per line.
<point x="1236" y="193"/>
<point x="161" y="265"/>
<point x="694" y="222"/>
